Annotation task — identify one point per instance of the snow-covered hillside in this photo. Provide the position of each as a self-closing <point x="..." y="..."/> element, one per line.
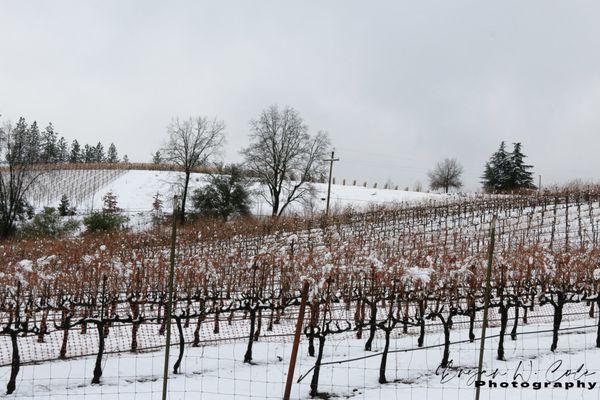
<point x="135" y="191"/>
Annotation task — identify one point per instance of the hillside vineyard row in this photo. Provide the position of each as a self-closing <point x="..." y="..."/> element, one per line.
<point x="386" y="271"/>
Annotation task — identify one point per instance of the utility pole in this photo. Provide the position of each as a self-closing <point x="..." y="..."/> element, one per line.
<point x="540" y="183"/>
<point x="331" y="161"/>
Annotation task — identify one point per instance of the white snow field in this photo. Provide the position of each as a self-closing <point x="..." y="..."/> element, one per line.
<point x="216" y="372"/>
<point x="135" y="190"/>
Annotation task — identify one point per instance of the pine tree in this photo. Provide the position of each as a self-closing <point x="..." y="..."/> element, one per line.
<point x="110" y="204"/>
<point x="156" y="158"/>
<point x="33" y="137"/>
<point x="497" y="170"/>
<point x="507" y="171"/>
<point x="125" y="159"/>
<point x="99" y="156"/>
<point x="496" y="176"/>
<point x="49" y="145"/>
<point x="62" y="150"/>
<point x="521" y="177"/>
<point x="64" y="207"/>
<point x="112" y="156"/>
<point x="89" y="154"/>
<point x="157" y="210"/>
<point x="75" y="155"/>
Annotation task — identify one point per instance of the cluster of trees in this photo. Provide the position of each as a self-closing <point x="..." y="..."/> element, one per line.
<point x="507" y="171"/>
<point x="282" y="155"/>
<point x="504" y="172"/>
<point x="22" y="147"/>
<point x="47" y="147"/>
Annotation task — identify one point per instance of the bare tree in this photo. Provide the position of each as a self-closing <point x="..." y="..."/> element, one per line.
<point x="191" y="143"/>
<point x="446" y="175"/>
<point x="18" y="156"/>
<point x="284" y="156"/>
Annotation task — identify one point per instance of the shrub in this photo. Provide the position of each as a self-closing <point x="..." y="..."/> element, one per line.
<point x="225" y="196"/>
<point x="64" y="208"/>
<point x="109" y="219"/>
<point x="48" y="223"/>
<point x="102" y="221"/>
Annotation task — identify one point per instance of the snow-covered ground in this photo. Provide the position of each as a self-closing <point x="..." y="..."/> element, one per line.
<point x="216" y="372"/>
<point x="135" y="191"/>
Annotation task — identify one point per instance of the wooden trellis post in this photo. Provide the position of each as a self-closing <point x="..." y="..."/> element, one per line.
<point x="293" y="356"/>
<point x="486" y="304"/>
<point x="170" y="297"/>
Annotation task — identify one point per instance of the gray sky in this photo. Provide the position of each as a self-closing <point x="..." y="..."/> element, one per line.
<point x="397" y="84"/>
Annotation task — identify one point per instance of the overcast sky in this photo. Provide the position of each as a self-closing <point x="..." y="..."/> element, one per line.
<point x="398" y="84"/>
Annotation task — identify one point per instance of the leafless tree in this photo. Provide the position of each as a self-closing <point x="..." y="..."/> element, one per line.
<point x="446" y="175"/>
<point x="191" y="143"/>
<point x="284" y="156"/>
<point x="18" y="156"/>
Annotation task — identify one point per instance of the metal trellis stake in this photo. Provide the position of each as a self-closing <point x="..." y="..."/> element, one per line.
<point x="299" y="323"/>
<point x="486" y="304"/>
<point x="170" y="297"/>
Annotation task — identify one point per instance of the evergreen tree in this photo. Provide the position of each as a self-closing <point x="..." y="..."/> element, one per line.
<point x="34" y="140"/>
<point x="125" y="159"/>
<point x="62" y="150"/>
<point x="156" y="158"/>
<point x="497" y="170"/>
<point x="507" y="171"/>
<point x="99" y="156"/>
<point x="89" y="154"/>
<point x="49" y="145"/>
<point x="75" y="155"/>
<point x="225" y="196"/>
<point x="64" y="207"/>
<point x="110" y="206"/>
<point x="112" y="156"/>
<point x="157" y="210"/>
<point x="521" y="177"/>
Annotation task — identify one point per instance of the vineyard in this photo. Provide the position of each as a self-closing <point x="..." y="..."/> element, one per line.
<point x="395" y="302"/>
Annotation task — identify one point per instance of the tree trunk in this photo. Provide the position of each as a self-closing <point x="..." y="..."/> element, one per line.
<point x="382" y="366"/>
<point x="197" y="331"/>
<point x="181" y="345"/>
<point x="421" y="338"/>
<point x="66" y="320"/>
<point x="258" y="325"/>
<point x="275" y="207"/>
<point x="98" y="365"/>
<point x="556" y="325"/>
<point x="513" y="332"/>
<point x="314" y="383"/>
<point x="216" y="325"/>
<point x="248" y="355"/>
<point x="43" y="327"/>
<point x="503" y="322"/>
<point x="446" y="354"/>
<point x="184" y="197"/>
<point x="372" y="325"/>
<point x="15" y="364"/>
<point x="472" y="314"/>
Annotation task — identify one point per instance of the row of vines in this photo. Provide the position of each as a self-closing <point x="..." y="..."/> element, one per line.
<point x="381" y="272"/>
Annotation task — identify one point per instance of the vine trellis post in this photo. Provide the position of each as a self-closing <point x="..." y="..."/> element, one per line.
<point x="297" y="333"/>
<point x="486" y="304"/>
<point x="169" y="307"/>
